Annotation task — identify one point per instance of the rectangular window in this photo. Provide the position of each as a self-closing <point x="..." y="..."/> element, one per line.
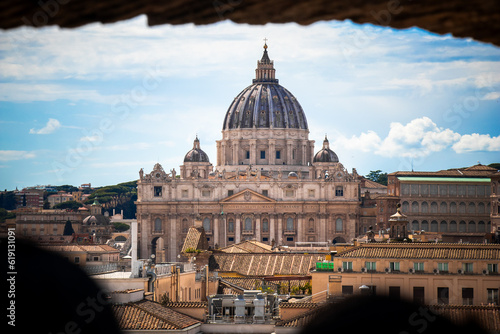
<point x="289" y="239"/>
<point x="311" y="192"/>
<point x="394" y="292"/>
<point x="443" y="295"/>
<point x="278" y="155"/>
<point x="347" y="265"/>
<point x="230" y="193"/>
<point x="443" y="267"/>
<point x="339" y="191"/>
<point x="77" y="259"/>
<point x="230" y="239"/>
<point x="492" y="296"/>
<point x="247" y="154"/>
<point x="371" y="266"/>
<point x="265" y="239"/>
<point x="467" y="296"/>
<point x="289" y="193"/>
<point x="467" y="268"/>
<point x="265" y="192"/>
<point x="184" y="193"/>
<point x="262" y="154"/>
<point x="96" y="258"/>
<point x="418" y="294"/>
<point x="205" y="193"/>
<point x="493" y="268"/>
<point x="394" y="266"/>
<point x="157" y="191"/>
<point x="418" y="266"/>
<point x="347" y="289"/>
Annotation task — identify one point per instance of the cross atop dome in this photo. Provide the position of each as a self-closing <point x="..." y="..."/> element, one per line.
<point x="265" y="71"/>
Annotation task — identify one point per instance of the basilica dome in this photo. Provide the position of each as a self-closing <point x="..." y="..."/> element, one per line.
<point x="265" y="103"/>
<point x="326" y="154"/>
<point x="196" y="154"/>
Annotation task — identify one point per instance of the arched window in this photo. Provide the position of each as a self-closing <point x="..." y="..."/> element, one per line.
<point x="424" y="207"/>
<point x="461" y="207"/>
<point x="480" y="208"/>
<point x="453" y="207"/>
<point x="425" y="225"/>
<point x="434" y="207"/>
<point x="310" y="225"/>
<point x="230" y="225"/>
<point x="339" y="225"/>
<point x="434" y="226"/>
<point x="414" y="207"/>
<point x="481" y="227"/>
<point x="453" y="226"/>
<point x="339" y="191"/>
<point x="206" y="224"/>
<point x="289" y="224"/>
<point x="158" y="225"/>
<point x="414" y="226"/>
<point x="462" y="227"/>
<point x="443" y="208"/>
<point x="471" y="208"/>
<point x="265" y="225"/>
<point x="472" y="226"/>
<point x="405" y="207"/>
<point x="443" y="226"/>
<point x="248" y="224"/>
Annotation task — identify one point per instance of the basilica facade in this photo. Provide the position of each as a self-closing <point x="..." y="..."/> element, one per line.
<point x="268" y="183"/>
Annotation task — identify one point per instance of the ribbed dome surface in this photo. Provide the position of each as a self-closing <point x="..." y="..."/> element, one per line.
<point x="326" y="154"/>
<point x="196" y="154"/>
<point x="265" y="105"/>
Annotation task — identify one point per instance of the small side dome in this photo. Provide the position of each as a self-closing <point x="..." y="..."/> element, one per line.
<point x="326" y="154"/>
<point x="196" y="154"/>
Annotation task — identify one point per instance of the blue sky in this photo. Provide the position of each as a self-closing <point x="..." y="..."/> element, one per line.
<point x="97" y="103"/>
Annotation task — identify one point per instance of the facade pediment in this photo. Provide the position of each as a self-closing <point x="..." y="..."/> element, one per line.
<point x="248" y="196"/>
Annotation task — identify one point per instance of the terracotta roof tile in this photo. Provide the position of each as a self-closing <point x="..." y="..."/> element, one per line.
<point x="486" y="316"/>
<point x="148" y="315"/>
<point x="425" y="251"/>
<point x="265" y="264"/>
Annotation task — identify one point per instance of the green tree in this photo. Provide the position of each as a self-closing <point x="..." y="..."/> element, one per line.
<point x="120" y="227"/>
<point x="68" y="228"/>
<point x="377" y="176"/>
<point x="72" y="205"/>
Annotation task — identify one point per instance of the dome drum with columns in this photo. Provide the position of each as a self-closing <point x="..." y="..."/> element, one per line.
<point x="268" y="183"/>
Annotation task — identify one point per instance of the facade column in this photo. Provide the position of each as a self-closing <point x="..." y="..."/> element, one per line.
<point x="257" y="227"/>
<point x="236" y="152"/>
<point x="253" y="151"/>
<point x="237" y="229"/>
<point x="172" y="246"/>
<point x="272" y="152"/>
<point x="300" y="227"/>
<point x="279" y="237"/>
<point x="223" y="154"/>
<point x="304" y="154"/>
<point x="323" y="229"/>
<point x="216" y="230"/>
<point x="272" y="234"/>
<point x="288" y="152"/>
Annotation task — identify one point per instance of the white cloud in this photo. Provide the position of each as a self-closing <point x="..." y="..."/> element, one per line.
<point x="492" y="96"/>
<point x="51" y="126"/>
<point x="477" y="142"/>
<point x="418" y="138"/>
<point x="16" y="155"/>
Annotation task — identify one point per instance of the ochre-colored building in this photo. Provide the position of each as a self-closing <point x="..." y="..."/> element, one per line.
<point x="458" y="274"/>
